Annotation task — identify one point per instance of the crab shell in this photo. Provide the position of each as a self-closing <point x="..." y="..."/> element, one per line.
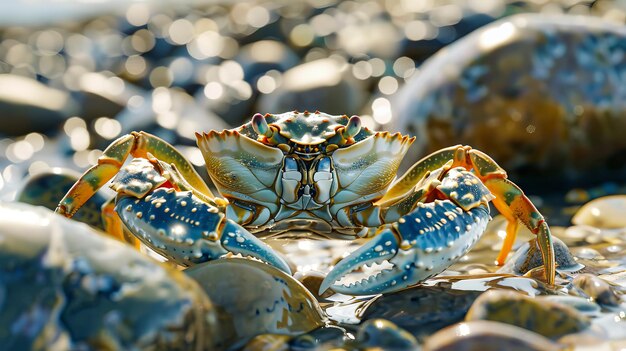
<point x="246" y="165"/>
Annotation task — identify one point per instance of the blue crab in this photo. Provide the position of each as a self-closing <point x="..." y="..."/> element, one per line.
<point x="311" y="175"/>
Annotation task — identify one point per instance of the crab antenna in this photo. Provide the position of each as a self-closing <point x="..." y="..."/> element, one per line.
<point x="352" y="128"/>
<point x="260" y="126"/>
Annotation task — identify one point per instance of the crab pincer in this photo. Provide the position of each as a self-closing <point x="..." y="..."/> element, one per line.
<point x="421" y="243"/>
<point x="181" y="227"/>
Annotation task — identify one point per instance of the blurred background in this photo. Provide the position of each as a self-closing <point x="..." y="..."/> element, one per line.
<point x="543" y="92"/>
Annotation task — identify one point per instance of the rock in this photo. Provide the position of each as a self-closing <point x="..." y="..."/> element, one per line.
<point x="606" y="213"/>
<point x="383" y="334"/>
<point x="542" y="316"/>
<point x="29" y="106"/>
<point x="488" y="336"/>
<point x="323" y="85"/>
<point x="64" y="286"/>
<point x="541" y="94"/>
<point x="421" y="310"/>
<point x="596" y="289"/>
<point x="326" y="337"/>
<point x="259" y="57"/>
<point x="48" y="188"/>
<point x="528" y="256"/>
<point x="254" y="298"/>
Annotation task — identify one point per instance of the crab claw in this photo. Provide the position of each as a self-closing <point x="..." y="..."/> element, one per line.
<point x="420" y="245"/>
<point x="181" y="227"/>
<point x="382" y="247"/>
<point x="238" y="240"/>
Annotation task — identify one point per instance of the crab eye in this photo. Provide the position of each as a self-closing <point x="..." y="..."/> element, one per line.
<point x="260" y="126"/>
<point x="352" y="128"/>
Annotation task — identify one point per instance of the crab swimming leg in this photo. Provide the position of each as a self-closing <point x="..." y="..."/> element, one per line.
<point x="137" y="144"/>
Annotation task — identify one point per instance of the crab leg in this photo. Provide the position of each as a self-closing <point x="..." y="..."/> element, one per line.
<point x="137" y="144"/>
<point x="187" y="230"/>
<point x="510" y="199"/>
<point x="113" y="224"/>
<point x="422" y="242"/>
<point x="162" y="211"/>
<point x="511" y="202"/>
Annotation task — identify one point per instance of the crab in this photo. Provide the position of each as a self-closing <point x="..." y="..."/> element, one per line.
<point x="311" y="175"/>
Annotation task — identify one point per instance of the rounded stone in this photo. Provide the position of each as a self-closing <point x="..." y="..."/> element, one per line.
<point x="541" y="94"/>
<point x="488" y="336"/>
<point x="542" y="316"/>
<point x="606" y="213"/>
<point x="65" y="286"/>
<point x="48" y="188"/>
<point x="596" y="289"/>
<point x="254" y="298"/>
<point x="381" y="333"/>
<point x="528" y="257"/>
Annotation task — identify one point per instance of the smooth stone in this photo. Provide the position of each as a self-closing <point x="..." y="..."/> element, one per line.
<point x="488" y="336"/>
<point x="528" y="256"/>
<point x="587" y="253"/>
<point x="184" y="117"/>
<point x="541" y="94"/>
<point x="383" y="334"/>
<point x="268" y="342"/>
<point x="545" y="317"/>
<point x="102" y="95"/>
<point x="66" y="287"/>
<point x="422" y="310"/>
<point x="326" y="337"/>
<point x="312" y="280"/>
<point x="596" y="289"/>
<point x="48" y="188"/>
<point x="605" y="213"/>
<point x="305" y="88"/>
<point x="265" y="55"/>
<point x="581" y="304"/>
<point x="32" y="106"/>
<point x="254" y="298"/>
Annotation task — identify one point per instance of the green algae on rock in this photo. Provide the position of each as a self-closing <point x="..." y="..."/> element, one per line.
<point x="541" y="94"/>
<point x="46" y="188"/>
<point x="543" y="316"/>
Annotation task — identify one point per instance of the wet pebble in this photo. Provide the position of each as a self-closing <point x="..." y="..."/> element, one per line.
<point x="312" y="280"/>
<point x="325" y="337"/>
<point x="48" y="188"/>
<point x="488" y="336"/>
<point x="383" y="334"/>
<point x="254" y="298"/>
<point x="37" y="107"/>
<point x="545" y="317"/>
<point x="422" y="310"/>
<point x="268" y="342"/>
<point x="596" y="289"/>
<point x="606" y="213"/>
<point x="304" y="88"/>
<point x="528" y="256"/>
<point x="581" y="304"/>
<point x="65" y="287"/>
